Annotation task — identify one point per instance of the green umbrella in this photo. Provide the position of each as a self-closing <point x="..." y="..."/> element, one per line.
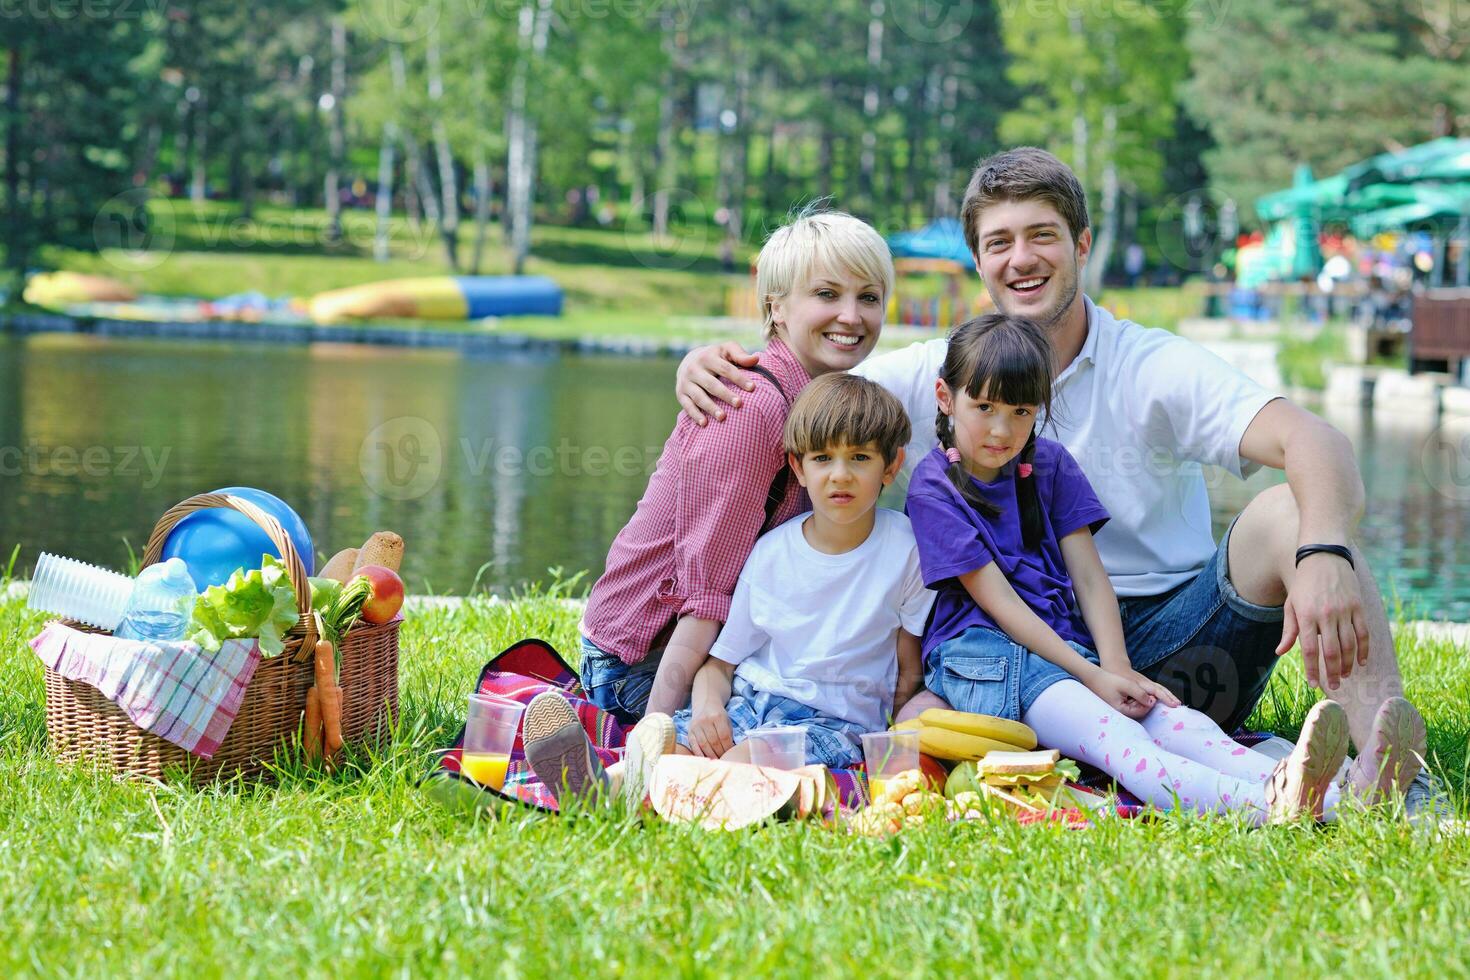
<point x="1404" y="166"/>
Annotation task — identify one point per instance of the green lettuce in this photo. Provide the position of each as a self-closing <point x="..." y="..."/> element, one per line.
<point x="258" y="604"/>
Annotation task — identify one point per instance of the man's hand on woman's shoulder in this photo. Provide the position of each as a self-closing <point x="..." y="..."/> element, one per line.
<point x="698" y="383"/>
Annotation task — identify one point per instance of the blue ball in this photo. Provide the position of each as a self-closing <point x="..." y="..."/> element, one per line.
<point x="216" y="542"/>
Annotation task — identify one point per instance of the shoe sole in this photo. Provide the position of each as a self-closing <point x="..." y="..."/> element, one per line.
<point x="557" y="746"/>
<point x="1314" y="764"/>
<point x="650" y="740"/>
<point x="1399" y="729"/>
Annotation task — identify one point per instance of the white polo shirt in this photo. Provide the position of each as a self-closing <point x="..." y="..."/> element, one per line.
<point x="1141" y="409"/>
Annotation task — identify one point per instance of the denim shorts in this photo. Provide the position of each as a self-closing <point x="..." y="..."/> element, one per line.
<point x="985" y="672"/>
<point x="831" y="742"/>
<point x="1204" y="642"/>
<point x="620" y="689"/>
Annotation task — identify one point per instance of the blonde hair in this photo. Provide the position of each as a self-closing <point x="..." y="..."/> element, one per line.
<point x="846" y="410"/>
<point x="828" y="241"/>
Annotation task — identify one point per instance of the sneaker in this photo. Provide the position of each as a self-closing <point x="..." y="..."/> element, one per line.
<point x="1301" y="780"/>
<point x="1394" y="755"/>
<point x="650" y="740"/>
<point x="559" y="751"/>
<point x="1426" y="800"/>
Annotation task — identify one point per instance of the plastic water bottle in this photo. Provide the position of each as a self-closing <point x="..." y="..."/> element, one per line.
<point x="76" y="590"/>
<point x="160" y="605"/>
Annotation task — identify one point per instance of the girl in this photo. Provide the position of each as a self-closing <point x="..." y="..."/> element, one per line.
<point x="1026" y="624"/>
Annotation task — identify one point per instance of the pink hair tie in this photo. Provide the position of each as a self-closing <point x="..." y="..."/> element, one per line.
<point x="952" y="454"/>
<point x="1023" y="470"/>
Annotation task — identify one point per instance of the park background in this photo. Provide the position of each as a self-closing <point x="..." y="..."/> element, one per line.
<point x="219" y="160"/>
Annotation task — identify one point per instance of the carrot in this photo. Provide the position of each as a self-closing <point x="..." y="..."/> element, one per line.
<point x="326" y="665"/>
<point x="329" y="695"/>
<point x="332" y="719"/>
<point x="311" y="735"/>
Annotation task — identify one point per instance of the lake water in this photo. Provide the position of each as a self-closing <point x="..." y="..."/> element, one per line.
<point x="493" y="470"/>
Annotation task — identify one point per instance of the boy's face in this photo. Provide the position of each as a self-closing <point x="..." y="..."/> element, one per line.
<point x="1029" y="262"/>
<point x="831" y="321"/>
<point x="844" y="481"/>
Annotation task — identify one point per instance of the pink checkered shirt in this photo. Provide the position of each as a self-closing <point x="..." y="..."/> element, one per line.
<point x="682" y="551"/>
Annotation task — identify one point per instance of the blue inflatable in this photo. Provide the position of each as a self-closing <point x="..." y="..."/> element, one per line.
<point x="216" y="542"/>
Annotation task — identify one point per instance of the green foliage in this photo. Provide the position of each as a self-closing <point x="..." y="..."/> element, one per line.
<point x="363" y="873"/>
<point x="1123" y="58"/>
<point x="1322" y="82"/>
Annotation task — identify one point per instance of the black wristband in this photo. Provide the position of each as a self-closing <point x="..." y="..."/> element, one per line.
<point x="1330" y="549"/>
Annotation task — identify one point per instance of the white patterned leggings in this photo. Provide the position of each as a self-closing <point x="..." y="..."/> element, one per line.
<point x="1173" y="757"/>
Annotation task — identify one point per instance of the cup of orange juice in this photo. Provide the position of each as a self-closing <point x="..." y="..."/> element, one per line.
<point x="886" y="754"/>
<point x="489" y="735"/>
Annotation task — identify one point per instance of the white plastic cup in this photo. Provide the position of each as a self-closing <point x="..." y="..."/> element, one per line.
<point x="778" y="746"/>
<point x="76" y="590"/>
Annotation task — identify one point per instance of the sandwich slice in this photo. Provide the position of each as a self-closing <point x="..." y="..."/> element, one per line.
<point x="1028" y="781"/>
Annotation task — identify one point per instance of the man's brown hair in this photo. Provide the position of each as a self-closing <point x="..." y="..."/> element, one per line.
<point x="1025" y="173"/>
<point x="846" y="410"/>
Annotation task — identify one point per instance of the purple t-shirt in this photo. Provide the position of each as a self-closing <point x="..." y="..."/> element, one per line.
<point x="954" y="539"/>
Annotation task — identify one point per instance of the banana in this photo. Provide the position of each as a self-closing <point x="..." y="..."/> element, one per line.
<point x="945" y="743"/>
<point x="985" y="726"/>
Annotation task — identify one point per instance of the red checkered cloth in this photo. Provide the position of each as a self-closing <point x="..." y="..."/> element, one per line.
<point x="174" y="690"/>
<point x="531" y="666"/>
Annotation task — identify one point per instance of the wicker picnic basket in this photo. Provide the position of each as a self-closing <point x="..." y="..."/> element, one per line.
<point x="80" y="721"/>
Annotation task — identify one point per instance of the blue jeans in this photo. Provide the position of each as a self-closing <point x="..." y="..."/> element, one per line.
<point x="1205" y="643"/>
<point x="831" y="742"/>
<point x="985" y="672"/>
<point x="620" y="689"/>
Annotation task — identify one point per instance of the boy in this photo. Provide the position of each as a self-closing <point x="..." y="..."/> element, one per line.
<point x="823" y="629"/>
<point x="823" y="632"/>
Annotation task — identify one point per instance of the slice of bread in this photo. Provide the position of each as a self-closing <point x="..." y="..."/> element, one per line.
<point x="1037" y="763"/>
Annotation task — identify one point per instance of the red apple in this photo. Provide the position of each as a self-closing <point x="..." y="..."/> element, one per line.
<point x="933" y="771"/>
<point x="387" y="595"/>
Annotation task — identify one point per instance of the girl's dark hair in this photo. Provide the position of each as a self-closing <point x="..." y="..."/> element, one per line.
<point x="1006" y="359"/>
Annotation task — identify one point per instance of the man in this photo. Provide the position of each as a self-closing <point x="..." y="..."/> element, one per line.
<point x="1141" y="410"/>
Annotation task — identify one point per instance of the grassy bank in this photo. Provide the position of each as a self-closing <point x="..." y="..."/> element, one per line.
<point x="619" y="281"/>
<point x="361" y="874"/>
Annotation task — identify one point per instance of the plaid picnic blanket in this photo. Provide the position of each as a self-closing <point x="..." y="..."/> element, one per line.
<point x="529" y="667"/>
<point x="174" y="690"/>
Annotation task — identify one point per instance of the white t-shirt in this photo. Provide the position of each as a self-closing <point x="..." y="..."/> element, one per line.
<point x="823" y="629"/>
<point x="1140" y="409"/>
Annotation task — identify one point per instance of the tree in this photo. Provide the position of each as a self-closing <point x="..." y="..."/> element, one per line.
<point x="1321" y="82"/>
<point x="1100" y="93"/>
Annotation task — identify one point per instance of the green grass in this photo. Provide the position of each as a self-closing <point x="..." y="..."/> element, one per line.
<point x="619" y="281"/>
<point x="209" y="251"/>
<point x="362" y="874"/>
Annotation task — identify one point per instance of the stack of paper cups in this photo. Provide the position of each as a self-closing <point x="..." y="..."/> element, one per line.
<point x="76" y="590"/>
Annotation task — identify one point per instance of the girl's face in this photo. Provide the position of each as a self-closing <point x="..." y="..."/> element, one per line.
<point x="831" y="321"/>
<point x="988" y="434"/>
